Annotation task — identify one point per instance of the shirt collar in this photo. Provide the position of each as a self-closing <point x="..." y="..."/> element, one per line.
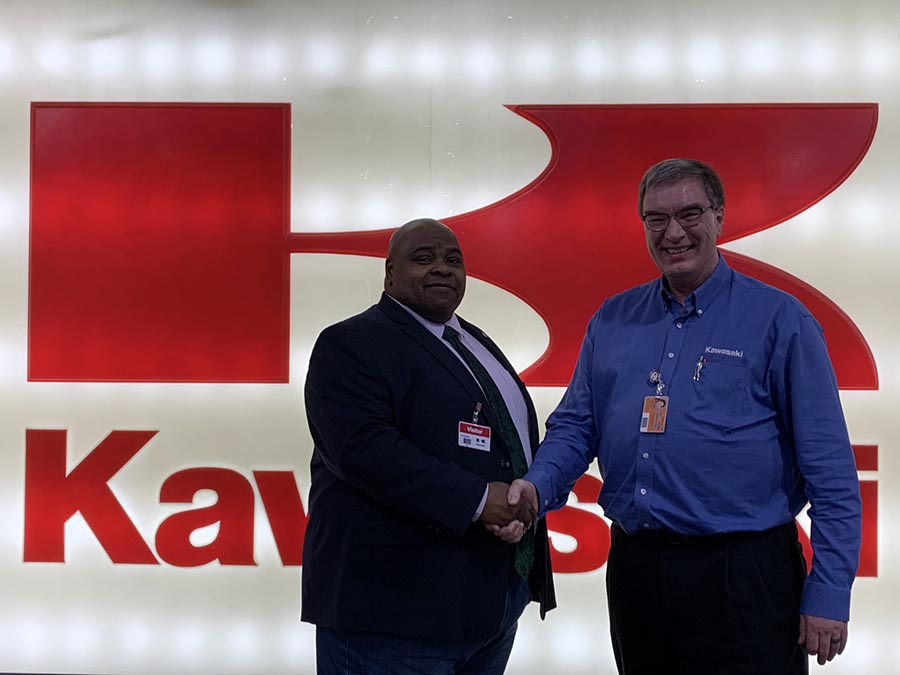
<point x="436" y="329"/>
<point x="701" y="298"/>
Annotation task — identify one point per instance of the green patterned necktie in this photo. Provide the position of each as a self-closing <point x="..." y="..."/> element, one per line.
<point x="508" y="432"/>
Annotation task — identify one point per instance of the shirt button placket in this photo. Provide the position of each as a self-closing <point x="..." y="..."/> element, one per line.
<point x="644" y="476"/>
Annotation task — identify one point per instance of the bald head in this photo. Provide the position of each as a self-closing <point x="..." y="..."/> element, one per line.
<point x="424" y="269"/>
<point x="412" y="226"/>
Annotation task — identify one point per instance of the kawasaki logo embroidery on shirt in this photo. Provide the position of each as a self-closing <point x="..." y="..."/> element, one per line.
<point x="725" y="352"/>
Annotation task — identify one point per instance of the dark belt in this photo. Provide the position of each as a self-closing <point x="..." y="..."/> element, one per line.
<point x="676" y="539"/>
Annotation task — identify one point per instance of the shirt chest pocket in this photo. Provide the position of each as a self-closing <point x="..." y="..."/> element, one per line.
<point x="717" y="398"/>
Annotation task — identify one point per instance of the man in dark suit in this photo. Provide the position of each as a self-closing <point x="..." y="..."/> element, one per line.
<point x="419" y="423"/>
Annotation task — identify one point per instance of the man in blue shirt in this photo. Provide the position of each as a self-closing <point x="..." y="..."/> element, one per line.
<point x="712" y="407"/>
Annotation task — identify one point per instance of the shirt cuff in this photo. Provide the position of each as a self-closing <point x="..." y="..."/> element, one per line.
<point x="542" y="484"/>
<point x="481" y="505"/>
<point x="827" y="602"/>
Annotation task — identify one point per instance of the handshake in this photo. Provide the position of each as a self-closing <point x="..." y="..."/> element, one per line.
<point x="510" y="509"/>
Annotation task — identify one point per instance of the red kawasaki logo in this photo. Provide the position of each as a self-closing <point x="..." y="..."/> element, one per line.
<point x="160" y="245"/>
<point x="160" y="233"/>
<point x="54" y="493"/>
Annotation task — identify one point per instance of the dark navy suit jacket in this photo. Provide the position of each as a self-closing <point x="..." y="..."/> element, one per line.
<point x="389" y="545"/>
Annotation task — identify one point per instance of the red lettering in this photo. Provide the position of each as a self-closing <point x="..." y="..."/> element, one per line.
<point x="284" y="509"/>
<point x="867" y="460"/>
<point x="868" y="554"/>
<point x="590" y="531"/>
<point x="52" y="496"/>
<point x="806" y="546"/>
<point x="233" y="511"/>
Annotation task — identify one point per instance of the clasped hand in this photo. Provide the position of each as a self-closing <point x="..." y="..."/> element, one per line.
<point x="510" y="509"/>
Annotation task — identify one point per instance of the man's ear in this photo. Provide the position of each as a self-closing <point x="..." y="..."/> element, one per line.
<point x="720" y="220"/>
<point x="388" y="272"/>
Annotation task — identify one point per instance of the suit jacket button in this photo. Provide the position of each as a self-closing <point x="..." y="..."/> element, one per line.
<point x="505" y="463"/>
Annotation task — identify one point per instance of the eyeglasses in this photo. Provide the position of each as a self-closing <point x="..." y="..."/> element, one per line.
<point x="689" y="217"/>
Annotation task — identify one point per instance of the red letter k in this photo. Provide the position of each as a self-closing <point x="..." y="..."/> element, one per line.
<point x="52" y="496"/>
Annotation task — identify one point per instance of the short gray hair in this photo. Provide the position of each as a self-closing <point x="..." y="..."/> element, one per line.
<point x="671" y="171"/>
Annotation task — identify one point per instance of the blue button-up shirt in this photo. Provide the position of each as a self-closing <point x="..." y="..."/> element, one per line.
<point x="748" y="439"/>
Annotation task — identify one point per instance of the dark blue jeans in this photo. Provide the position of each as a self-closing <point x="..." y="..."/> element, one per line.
<point x="352" y="653"/>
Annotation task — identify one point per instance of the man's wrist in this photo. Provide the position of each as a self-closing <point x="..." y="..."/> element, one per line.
<point x="825" y="601"/>
<point x="480" y="509"/>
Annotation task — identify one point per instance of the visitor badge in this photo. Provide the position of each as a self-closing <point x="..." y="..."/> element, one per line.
<point x="475" y="436"/>
<point x="653" y="419"/>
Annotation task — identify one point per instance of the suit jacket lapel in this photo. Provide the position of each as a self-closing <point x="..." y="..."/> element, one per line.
<point x="445" y="357"/>
<point x="432" y="345"/>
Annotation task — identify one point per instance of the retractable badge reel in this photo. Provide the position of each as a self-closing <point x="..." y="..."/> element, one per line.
<point x="653" y="417"/>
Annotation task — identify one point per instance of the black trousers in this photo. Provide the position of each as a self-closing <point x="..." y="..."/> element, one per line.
<point x="721" y="605"/>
